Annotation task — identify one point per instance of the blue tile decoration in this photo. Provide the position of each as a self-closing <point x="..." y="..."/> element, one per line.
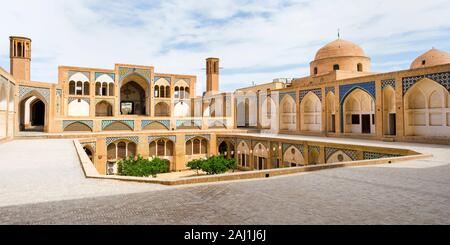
<point x="88" y="123"/>
<point x="169" y="79"/>
<point x="441" y="78"/>
<point x="331" y="150"/>
<point x="172" y="138"/>
<point x="191" y="136"/>
<point x="106" y="123"/>
<point x="111" y="75"/>
<point x="316" y="91"/>
<point x="346" y="89"/>
<point x="388" y="82"/>
<point x="330" y="89"/>
<point x="286" y="146"/>
<point x="293" y="94"/>
<point x="166" y="123"/>
<point x="134" y="139"/>
<point x="26" y="90"/>
<point x="196" y="123"/>
<point x="125" y="71"/>
<point x="377" y="155"/>
<point x="70" y="99"/>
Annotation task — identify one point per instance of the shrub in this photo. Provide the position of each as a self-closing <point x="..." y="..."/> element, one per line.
<point x="141" y="167"/>
<point x="213" y="165"/>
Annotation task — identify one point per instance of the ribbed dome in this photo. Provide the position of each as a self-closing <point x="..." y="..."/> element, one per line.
<point x="431" y="58"/>
<point x="339" y="48"/>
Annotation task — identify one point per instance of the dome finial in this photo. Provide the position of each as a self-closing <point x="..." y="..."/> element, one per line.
<point x="339" y="33"/>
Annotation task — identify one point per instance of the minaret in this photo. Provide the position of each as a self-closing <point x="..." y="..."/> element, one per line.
<point x="20" y="57"/>
<point x="212" y="74"/>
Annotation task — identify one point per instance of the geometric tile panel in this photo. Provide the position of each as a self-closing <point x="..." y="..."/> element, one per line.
<point x="44" y="92"/>
<point x="125" y="71"/>
<point x="316" y="91"/>
<point x="215" y="122"/>
<point x="367" y="86"/>
<point x="331" y="150"/>
<point x="170" y="137"/>
<point x="166" y="123"/>
<point x="188" y="137"/>
<point x="292" y="94"/>
<point x="287" y="146"/>
<point x="376" y="155"/>
<point x="106" y="123"/>
<point x="88" y="123"/>
<point x="441" y="78"/>
<point x="388" y="82"/>
<point x="134" y="139"/>
<point x="313" y="147"/>
<point x="329" y="89"/>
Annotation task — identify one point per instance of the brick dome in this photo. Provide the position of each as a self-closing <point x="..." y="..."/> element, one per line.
<point x="339" y="48"/>
<point x="431" y="58"/>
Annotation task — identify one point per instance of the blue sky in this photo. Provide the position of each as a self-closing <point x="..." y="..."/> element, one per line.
<point x="256" y="40"/>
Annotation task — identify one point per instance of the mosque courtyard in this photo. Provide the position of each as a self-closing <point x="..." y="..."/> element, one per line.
<point x="41" y="188"/>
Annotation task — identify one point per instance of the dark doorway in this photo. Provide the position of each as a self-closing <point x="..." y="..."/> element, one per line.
<point x="365" y="124"/>
<point x="392" y="124"/>
<point x="38" y="113"/>
<point x="333" y="123"/>
<point x="132" y="97"/>
<point x="223" y="149"/>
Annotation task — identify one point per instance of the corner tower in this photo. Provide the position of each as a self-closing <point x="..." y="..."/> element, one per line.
<point x="212" y="74"/>
<point x="20" y="57"/>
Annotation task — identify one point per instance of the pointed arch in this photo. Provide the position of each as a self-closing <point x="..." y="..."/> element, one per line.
<point x="292" y="157"/>
<point x="77" y="127"/>
<point x="243" y="153"/>
<point x="311" y="113"/>
<point x="358" y="114"/>
<point x="33" y="112"/>
<point x="426" y="111"/>
<point x="162" y="109"/>
<point x="103" y="109"/>
<point x="288" y="111"/>
<point x="389" y="111"/>
<point x="331" y="112"/>
<point x="118" y="126"/>
<point x="339" y="156"/>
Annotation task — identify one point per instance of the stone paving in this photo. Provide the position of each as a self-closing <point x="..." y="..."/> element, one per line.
<point x="413" y="192"/>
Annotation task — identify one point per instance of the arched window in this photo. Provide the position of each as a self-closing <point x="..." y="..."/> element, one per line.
<point x="105" y="89"/>
<point x="86" y="88"/>
<point x="111" y="89"/>
<point x="111" y="151"/>
<point x="72" y="87"/>
<point x="19" y="49"/>
<point x="315" y="71"/>
<point x="182" y="93"/>
<point x="121" y="150"/>
<point x="335" y="67"/>
<point x="162" y="92"/>
<point x="177" y="93"/>
<point x="196" y="147"/>
<point x="98" y="88"/>
<point x="79" y="88"/>
<point x="167" y="91"/>
<point x="156" y="92"/>
<point x="359" y="67"/>
<point x="161" y="148"/>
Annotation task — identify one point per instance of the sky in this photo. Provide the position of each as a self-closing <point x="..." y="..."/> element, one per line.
<point x="256" y="40"/>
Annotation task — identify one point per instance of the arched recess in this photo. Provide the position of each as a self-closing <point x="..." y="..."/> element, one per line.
<point x="389" y="111"/>
<point x="359" y="112"/>
<point x="331" y="112"/>
<point x="339" y="156"/>
<point x="33" y="112"/>
<point x="260" y="156"/>
<point x="311" y="113"/>
<point x="243" y="152"/>
<point x="78" y="84"/>
<point x="134" y="93"/>
<point x="78" y="108"/>
<point x="292" y="157"/>
<point x="288" y="111"/>
<point x="161" y="88"/>
<point x="181" y="109"/>
<point x="103" y="109"/>
<point x="155" y="126"/>
<point x="77" y="127"/>
<point x="196" y="148"/>
<point x="118" y="126"/>
<point x="162" y="148"/>
<point x="226" y="148"/>
<point x="118" y="150"/>
<point x="427" y="110"/>
<point x="162" y="109"/>
<point x="181" y="89"/>
<point x="268" y="112"/>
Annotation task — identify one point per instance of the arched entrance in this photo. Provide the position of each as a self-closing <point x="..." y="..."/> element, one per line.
<point x="389" y="112"/>
<point x="260" y="157"/>
<point x="331" y="112"/>
<point x="359" y="112"/>
<point x="32" y="114"/>
<point x="103" y="109"/>
<point x="311" y="113"/>
<point x="133" y="95"/>
<point x="288" y="113"/>
<point x="293" y="157"/>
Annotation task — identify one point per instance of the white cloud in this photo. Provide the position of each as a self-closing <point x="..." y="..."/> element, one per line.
<point x="176" y="36"/>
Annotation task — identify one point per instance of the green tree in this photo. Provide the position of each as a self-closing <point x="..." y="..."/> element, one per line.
<point x="140" y="167"/>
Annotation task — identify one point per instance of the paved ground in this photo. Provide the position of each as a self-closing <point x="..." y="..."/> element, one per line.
<point x="414" y="192"/>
